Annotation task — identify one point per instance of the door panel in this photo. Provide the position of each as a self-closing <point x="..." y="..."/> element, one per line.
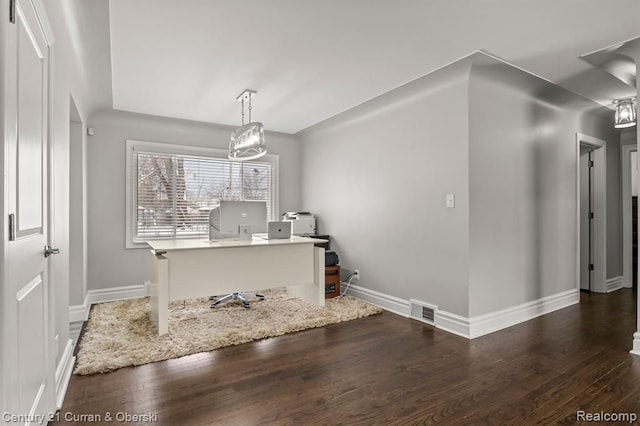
<point x="31" y="95"/>
<point x="29" y="372"/>
<point x="31" y="322"/>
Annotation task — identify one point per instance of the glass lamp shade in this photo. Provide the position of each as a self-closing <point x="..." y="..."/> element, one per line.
<point x="247" y="142"/>
<point x="625" y="114"/>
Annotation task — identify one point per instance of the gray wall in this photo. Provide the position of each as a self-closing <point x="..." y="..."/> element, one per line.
<point x="501" y="140"/>
<point x="599" y="124"/>
<point x="77" y="213"/>
<point x="109" y="263"/>
<point x="68" y="78"/>
<point x="522" y="154"/>
<point x="629" y="136"/>
<point x="377" y="176"/>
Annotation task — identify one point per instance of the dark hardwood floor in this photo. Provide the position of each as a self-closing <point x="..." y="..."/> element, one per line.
<point x="387" y="369"/>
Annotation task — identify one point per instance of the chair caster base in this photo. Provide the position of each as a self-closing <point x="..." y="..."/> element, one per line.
<point x="241" y="297"/>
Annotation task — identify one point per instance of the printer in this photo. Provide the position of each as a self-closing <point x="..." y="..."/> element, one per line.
<point x="302" y="223"/>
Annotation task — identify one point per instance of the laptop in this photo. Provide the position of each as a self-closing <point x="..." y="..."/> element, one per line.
<point x="279" y="231"/>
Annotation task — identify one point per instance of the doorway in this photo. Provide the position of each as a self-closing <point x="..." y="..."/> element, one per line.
<point x="591" y="213"/>
<point x="586" y="217"/>
<point x="629" y="219"/>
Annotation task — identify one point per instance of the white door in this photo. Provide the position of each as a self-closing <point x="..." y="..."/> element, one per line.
<point x="28" y="364"/>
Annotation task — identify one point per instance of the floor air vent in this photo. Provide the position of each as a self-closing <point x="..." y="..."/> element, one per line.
<point x="423" y="312"/>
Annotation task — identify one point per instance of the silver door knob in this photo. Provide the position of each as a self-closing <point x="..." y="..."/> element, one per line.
<point x="48" y="251"/>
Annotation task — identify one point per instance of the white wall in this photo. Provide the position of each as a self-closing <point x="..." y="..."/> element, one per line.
<point x="376" y="177"/>
<point x="109" y="263"/>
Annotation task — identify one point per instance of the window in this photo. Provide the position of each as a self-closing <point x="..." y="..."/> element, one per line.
<point x="171" y="189"/>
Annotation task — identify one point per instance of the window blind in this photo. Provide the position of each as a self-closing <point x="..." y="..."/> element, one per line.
<point x="175" y="193"/>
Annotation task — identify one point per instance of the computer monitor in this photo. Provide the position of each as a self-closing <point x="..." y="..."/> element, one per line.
<point x="237" y="219"/>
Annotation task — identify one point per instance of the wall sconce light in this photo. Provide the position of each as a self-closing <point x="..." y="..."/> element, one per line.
<point x="625" y="115"/>
<point x="247" y="142"/>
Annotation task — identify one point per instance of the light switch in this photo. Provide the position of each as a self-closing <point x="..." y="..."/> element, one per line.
<point x="451" y="201"/>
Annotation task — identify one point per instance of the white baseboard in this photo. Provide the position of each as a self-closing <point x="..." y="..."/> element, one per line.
<point x="388" y="303"/>
<point x="494" y="321"/>
<point x="453" y="323"/>
<point x="636" y="344"/>
<point x="613" y="284"/>
<point x="79" y="313"/>
<point x="475" y="326"/>
<point x="116" y="293"/>
<point x="63" y="373"/>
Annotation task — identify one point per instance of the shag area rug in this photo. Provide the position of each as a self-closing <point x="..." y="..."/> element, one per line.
<point x="121" y="334"/>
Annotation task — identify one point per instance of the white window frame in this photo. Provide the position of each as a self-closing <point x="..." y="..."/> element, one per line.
<point x="165" y="148"/>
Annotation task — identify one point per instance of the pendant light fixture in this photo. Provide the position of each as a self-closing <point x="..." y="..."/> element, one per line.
<point x="625" y="115"/>
<point x="247" y="142"/>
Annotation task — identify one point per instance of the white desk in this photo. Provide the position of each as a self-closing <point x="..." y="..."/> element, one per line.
<point x="187" y="269"/>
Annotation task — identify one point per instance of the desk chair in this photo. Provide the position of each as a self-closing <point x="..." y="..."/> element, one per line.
<point x="242" y="297"/>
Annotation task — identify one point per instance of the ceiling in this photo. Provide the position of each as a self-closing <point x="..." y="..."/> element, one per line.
<point x="312" y="59"/>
